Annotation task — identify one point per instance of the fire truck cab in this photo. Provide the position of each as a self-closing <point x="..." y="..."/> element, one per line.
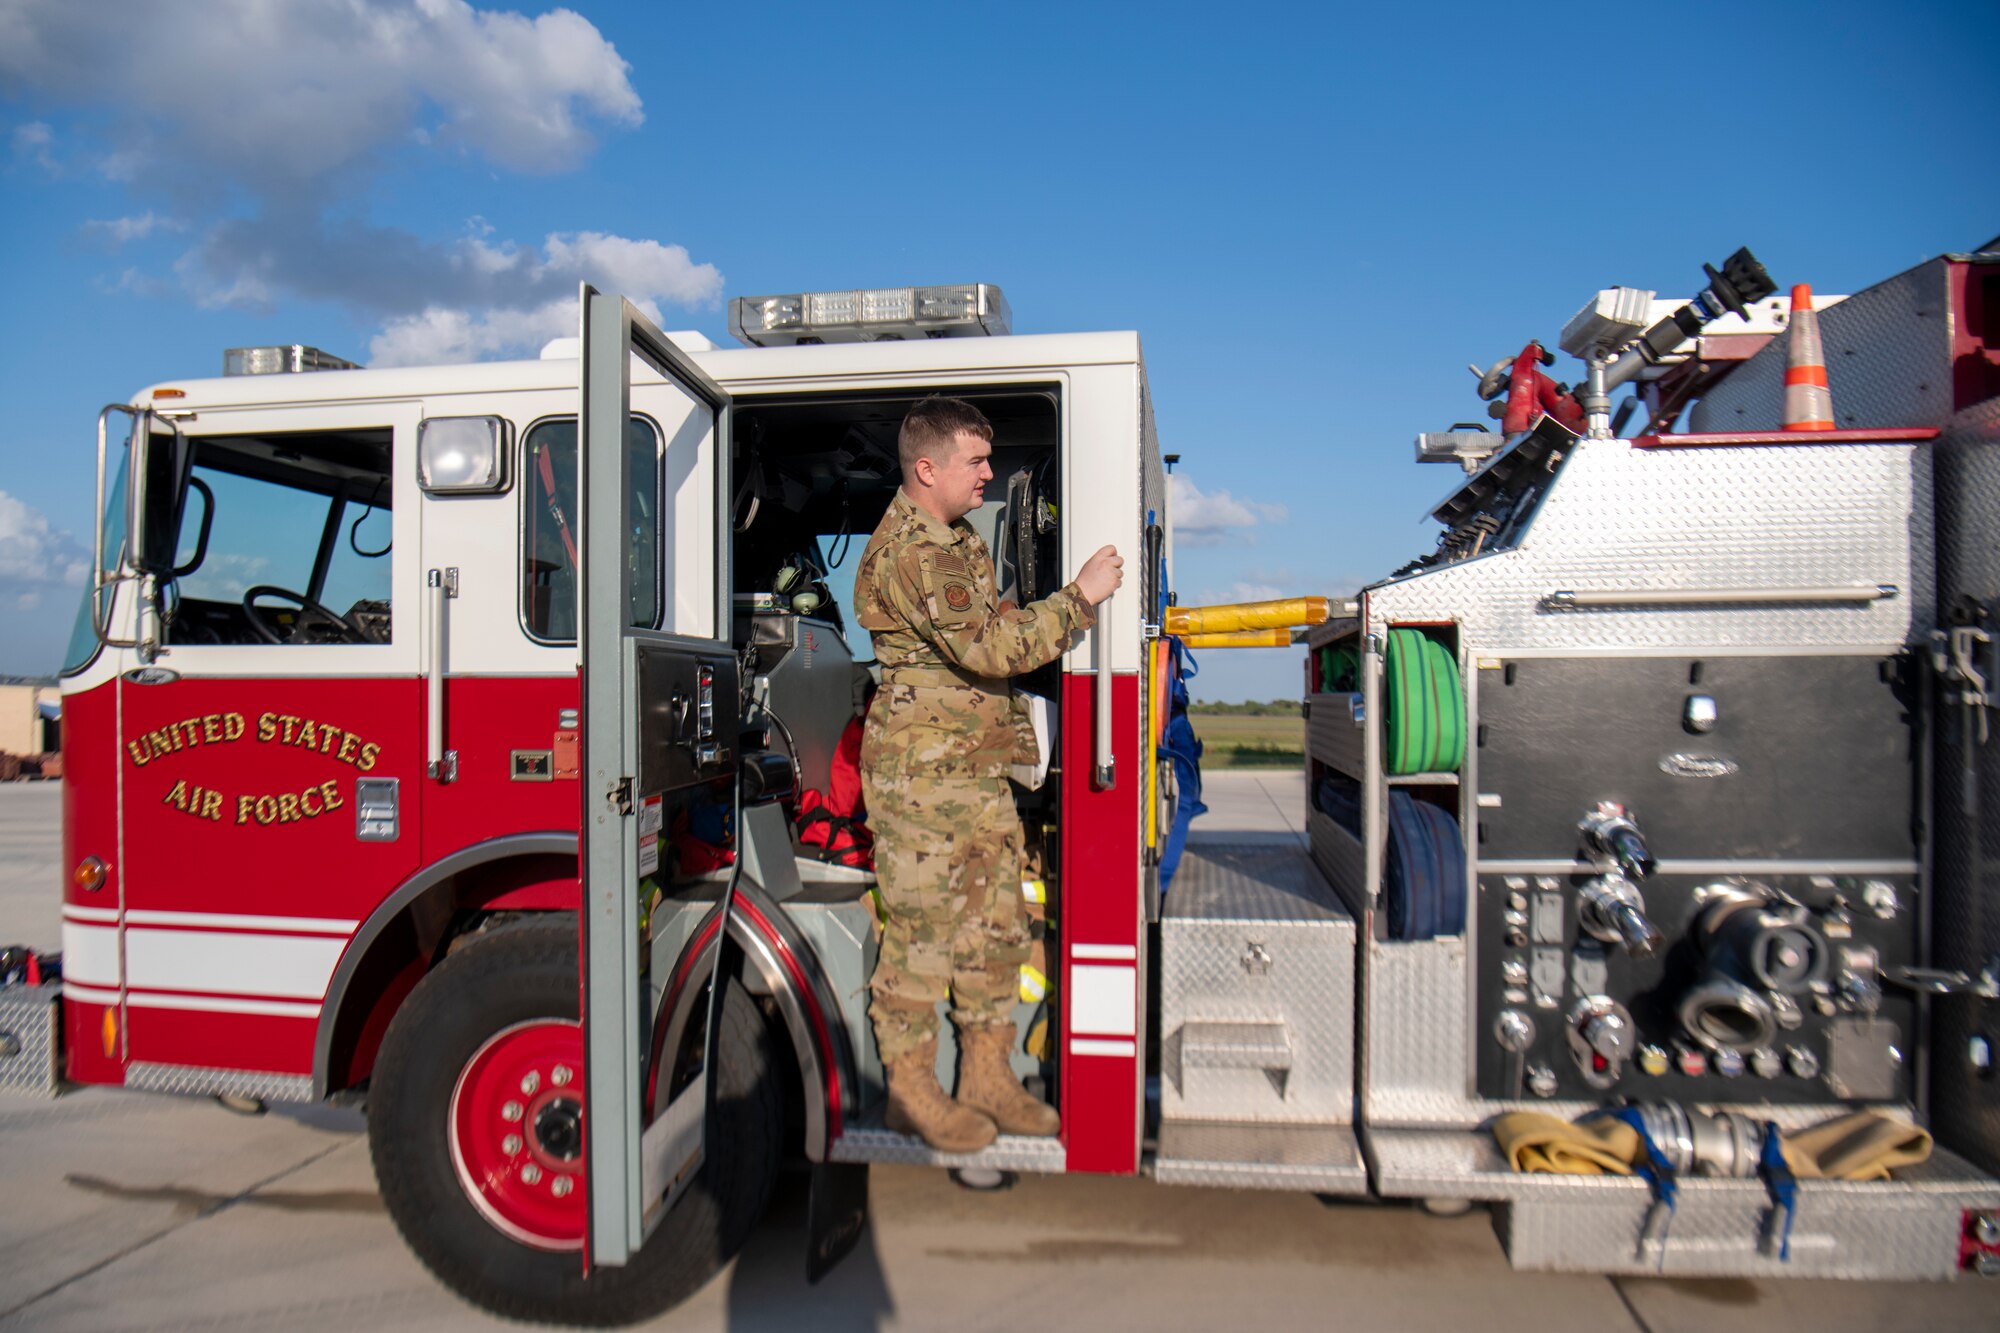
<point x="409" y="701"/>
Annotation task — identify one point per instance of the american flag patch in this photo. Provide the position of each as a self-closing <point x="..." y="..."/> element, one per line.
<point x="945" y="563"/>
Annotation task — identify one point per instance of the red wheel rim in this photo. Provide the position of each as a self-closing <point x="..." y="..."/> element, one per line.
<point x="516" y="1132"/>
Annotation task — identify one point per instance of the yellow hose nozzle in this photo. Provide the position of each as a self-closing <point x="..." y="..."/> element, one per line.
<point x="1242" y="638"/>
<point x="1234" y="616"/>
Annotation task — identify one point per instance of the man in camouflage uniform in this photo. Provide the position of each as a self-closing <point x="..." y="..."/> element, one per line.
<point x="934" y="760"/>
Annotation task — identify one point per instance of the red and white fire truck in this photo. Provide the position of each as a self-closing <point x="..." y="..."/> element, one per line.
<point x="439" y="734"/>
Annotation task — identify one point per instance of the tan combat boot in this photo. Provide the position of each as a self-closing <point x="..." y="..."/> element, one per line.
<point x="917" y="1105"/>
<point x="985" y="1083"/>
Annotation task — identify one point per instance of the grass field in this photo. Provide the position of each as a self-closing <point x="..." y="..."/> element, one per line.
<point x="1244" y="742"/>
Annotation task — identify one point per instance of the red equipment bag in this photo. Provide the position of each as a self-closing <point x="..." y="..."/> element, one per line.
<point x="832" y="821"/>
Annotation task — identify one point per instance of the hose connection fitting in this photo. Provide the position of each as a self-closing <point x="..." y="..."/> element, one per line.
<point x="1610" y="908"/>
<point x="1613" y="834"/>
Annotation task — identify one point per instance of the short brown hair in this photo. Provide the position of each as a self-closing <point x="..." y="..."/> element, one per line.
<point x="933" y="426"/>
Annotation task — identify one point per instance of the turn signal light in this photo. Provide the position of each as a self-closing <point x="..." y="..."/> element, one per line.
<point x="90" y="874"/>
<point x="108" y="1031"/>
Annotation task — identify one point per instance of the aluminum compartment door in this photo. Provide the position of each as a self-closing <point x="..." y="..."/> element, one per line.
<point x="659" y="729"/>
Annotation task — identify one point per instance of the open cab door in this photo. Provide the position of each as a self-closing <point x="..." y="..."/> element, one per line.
<point x="660" y="734"/>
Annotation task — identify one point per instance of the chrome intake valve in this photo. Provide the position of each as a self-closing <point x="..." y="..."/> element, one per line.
<point x="1611" y="909"/>
<point x="1612" y="833"/>
<point x="1602" y="1037"/>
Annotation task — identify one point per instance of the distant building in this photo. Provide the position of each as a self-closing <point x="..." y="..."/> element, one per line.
<point x="30" y="715"/>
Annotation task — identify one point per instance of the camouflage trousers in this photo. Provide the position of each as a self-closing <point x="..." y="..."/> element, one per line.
<point x="948" y="868"/>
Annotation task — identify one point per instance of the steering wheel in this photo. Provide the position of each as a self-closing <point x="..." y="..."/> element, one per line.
<point x="316" y="624"/>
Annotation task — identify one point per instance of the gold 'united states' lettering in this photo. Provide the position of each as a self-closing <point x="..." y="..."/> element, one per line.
<point x="186" y="734"/>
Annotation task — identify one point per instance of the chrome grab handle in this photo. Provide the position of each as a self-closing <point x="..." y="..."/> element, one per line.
<point x="1100" y="644"/>
<point x="440" y="763"/>
<point x="1565" y="599"/>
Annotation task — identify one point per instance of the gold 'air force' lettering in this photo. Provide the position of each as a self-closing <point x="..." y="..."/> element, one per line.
<point x="291" y="806"/>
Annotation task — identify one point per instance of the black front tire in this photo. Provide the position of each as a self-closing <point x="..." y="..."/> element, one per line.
<point x="519" y="974"/>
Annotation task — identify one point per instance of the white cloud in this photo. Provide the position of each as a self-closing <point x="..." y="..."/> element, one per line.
<point x="34" y="555"/>
<point x="646" y="271"/>
<point x="280" y="114"/>
<point x="116" y="232"/>
<point x="32" y="140"/>
<point x="270" y="94"/>
<point x="1202" y="518"/>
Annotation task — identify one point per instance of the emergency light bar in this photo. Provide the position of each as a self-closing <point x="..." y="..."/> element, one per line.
<point x="881" y="314"/>
<point x="284" y="359"/>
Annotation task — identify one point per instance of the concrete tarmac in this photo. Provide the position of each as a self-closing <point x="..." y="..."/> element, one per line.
<point x="129" y="1212"/>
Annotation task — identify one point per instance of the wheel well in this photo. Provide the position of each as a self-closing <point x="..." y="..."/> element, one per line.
<point x="412" y="939"/>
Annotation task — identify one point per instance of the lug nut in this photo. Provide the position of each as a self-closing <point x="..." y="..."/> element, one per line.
<point x="561" y="1186"/>
<point x="511" y="1144"/>
<point x="530" y="1081"/>
<point x="560" y="1075"/>
<point x="531" y="1174"/>
<point x="512" y="1111"/>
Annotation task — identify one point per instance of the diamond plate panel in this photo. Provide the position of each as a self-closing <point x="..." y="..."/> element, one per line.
<point x="1965" y="908"/>
<point x="31" y="1016"/>
<point x="1333" y="736"/>
<point x="1252" y="934"/>
<point x="1620" y="519"/>
<point x="869" y="1142"/>
<point x="1888" y="362"/>
<point x="1340" y="857"/>
<point x="1323" y="1159"/>
<point x="195" y="1081"/>
<point x="1415" y="1066"/>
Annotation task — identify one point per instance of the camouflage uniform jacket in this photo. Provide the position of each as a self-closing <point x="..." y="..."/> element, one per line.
<point x="925" y="591"/>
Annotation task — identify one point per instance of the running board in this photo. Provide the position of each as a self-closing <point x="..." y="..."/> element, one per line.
<point x="868" y="1141"/>
<point x="1319" y="1159"/>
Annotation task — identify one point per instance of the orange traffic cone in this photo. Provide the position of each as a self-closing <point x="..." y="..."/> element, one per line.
<point x="1808" y="405"/>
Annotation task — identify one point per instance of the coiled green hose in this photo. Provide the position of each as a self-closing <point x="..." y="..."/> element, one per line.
<point x="1426" y="706"/>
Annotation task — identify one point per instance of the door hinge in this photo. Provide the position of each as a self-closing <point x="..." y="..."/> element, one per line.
<point x="620" y="796"/>
<point x="1955" y="657"/>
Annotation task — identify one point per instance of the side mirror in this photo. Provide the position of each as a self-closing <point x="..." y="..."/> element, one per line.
<point x="193" y="562"/>
<point x="164" y="466"/>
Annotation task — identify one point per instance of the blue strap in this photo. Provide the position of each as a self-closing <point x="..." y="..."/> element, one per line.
<point x="1781" y="1184"/>
<point x="1656" y="1170"/>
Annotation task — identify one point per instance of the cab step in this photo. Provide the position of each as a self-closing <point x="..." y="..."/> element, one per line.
<point x="1318" y="1159"/>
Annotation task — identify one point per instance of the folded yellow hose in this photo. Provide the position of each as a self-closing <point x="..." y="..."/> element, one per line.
<point x="1864" y="1145"/>
<point x="1281" y="614"/>
<point x="1533" y="1142"/>
<point x="1242" y="638"/>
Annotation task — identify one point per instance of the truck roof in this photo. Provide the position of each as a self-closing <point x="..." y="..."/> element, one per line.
<point x="739" y="366"/>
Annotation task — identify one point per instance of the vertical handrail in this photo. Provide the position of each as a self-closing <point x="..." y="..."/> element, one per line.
<point x="1102" y="764"/>
<point x="439" y="763"/>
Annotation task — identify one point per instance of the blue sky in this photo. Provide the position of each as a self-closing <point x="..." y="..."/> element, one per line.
<point x="1315" y="215"/>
